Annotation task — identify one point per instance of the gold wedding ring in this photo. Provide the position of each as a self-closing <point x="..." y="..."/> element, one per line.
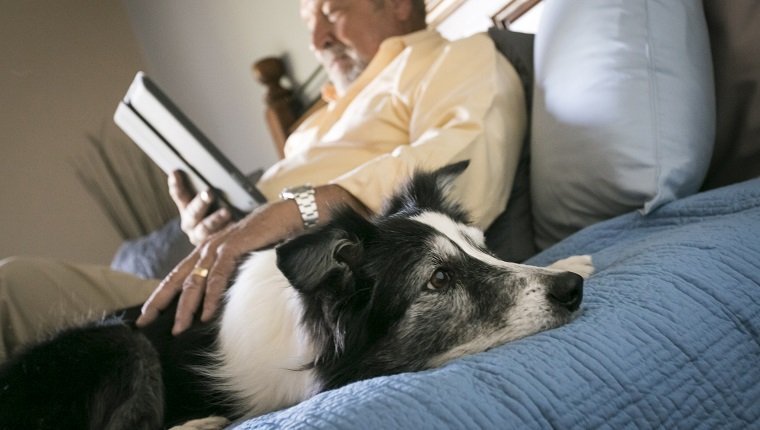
<point x="200" y="271"/>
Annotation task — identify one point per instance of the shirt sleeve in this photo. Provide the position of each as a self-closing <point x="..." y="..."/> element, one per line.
<point x="469" y="106"/>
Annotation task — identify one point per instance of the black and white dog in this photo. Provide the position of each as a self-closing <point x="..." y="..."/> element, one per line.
<point x="408" y="290"/>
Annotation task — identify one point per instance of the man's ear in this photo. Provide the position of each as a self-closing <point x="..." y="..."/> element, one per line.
<point x="326" y="257"/>
<point x="429" y="191"/>
<point x="402" y="9"/>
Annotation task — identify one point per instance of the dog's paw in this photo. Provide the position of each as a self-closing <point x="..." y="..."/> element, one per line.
<point x="210" y="423"/>
<point x="580" y="264"/>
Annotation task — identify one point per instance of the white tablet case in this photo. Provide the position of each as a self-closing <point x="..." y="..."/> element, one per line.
<point x="173" y="142"/>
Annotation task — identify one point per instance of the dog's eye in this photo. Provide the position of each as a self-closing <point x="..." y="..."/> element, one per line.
<point x="441" y="279"/>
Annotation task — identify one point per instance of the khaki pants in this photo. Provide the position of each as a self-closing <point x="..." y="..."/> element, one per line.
<point x="39" y="296"/>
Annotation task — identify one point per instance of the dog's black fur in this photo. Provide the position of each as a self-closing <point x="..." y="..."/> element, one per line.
<point x="349" y="349"/>
<point x="81" y="377"/>
<point x="59" y="379"/>
<point x="356" y="278"/>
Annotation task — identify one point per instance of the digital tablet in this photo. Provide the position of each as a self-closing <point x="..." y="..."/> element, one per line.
<point x="173" y="142"/>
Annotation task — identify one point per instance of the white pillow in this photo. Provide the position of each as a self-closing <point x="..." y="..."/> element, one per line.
<point x="623" y="110"/>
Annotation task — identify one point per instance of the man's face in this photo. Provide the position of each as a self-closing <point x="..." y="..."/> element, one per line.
<point x="346" y="34"/>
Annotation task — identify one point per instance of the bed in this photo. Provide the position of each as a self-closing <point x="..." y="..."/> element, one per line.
<point x="669" y="333"/>
<point x="668" y="338"/>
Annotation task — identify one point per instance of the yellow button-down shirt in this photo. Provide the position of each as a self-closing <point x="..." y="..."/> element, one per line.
<point x="423" y="102"/>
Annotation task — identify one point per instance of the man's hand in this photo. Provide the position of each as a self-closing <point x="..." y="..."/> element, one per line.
<point x="193" y="209"/>
<point x="203" y="276"/>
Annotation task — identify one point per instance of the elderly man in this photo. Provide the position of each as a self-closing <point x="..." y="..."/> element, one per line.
<point x="401" y="97"/>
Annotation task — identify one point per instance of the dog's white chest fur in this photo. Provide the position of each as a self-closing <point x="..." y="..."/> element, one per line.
<point x="264" y="349"/>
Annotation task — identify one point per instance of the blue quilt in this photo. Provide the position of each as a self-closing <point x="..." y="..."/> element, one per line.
<point x="669" y="337"/>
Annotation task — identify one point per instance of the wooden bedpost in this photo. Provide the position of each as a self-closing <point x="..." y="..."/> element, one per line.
<point x="281" y="110"/>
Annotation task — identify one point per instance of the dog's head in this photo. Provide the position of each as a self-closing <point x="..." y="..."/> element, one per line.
<point x="415" y="287"/>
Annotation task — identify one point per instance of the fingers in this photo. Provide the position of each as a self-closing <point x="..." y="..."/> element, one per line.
<point x="166" y="291"/>
<point x="189" y="281"/>
<point x="179" y="189"/>
<point x="193" y="289"/>
<point x="217" y="283"/>
<point x="203" y="276"/>
<point x="196" y="224"/>
<point x="195" y="210"/>
<point x="211" y="224"/>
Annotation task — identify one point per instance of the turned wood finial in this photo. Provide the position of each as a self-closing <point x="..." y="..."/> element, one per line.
<point x="279" y="100"/>
<point x="270" y="71"/>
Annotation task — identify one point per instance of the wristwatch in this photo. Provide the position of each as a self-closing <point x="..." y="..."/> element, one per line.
<point x="307" y="203"/>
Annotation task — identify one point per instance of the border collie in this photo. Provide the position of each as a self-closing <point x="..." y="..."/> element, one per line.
<point x="355" y="298"/>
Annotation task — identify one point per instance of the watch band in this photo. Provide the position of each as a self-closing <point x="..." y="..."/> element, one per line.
<point x="304" y="197"/>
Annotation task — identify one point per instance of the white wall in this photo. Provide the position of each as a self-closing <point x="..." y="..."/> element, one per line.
<point x="65" y="64"/>
<point x="201" y="53"/>
<point x="63" y="68"/>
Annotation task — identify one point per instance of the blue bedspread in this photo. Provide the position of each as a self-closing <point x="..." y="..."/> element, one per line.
<point x="669" y="337"/>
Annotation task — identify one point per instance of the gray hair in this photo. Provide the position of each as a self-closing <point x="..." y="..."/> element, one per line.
<point x="418" y="8"/>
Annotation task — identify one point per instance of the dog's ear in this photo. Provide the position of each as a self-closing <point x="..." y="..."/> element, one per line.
<point x="445" y="176"/>
<point x="429" y="191"/>
<point x="328" y="256"/>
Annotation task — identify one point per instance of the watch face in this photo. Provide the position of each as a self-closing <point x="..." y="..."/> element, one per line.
<point x="299" y="189"/>
<point x="292" y="192"/>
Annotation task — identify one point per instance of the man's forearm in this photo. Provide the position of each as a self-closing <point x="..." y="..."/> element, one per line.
<point x="331" y="197"/>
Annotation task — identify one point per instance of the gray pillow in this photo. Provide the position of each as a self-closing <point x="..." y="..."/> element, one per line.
<point x="510" y="236"/>
<point x="623" y="110"/>
<point x="734" y="36"/>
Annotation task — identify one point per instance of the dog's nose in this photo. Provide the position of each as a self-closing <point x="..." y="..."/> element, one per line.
<point x="566" y="290"/>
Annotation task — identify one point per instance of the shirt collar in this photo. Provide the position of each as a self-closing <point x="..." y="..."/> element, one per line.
<point x="388" y="50"/>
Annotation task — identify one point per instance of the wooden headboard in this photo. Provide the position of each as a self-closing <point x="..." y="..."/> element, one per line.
<point x="454" y="18"/>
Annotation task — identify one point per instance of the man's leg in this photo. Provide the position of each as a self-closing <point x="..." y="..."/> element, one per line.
<point x="39" y="296"/>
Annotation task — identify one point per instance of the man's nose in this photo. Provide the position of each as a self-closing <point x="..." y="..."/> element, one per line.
<point x="322" y="34"/>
